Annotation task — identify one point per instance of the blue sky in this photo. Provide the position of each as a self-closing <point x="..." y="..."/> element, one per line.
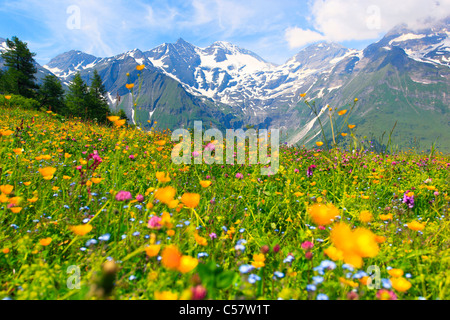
<point x="275" y="30"/>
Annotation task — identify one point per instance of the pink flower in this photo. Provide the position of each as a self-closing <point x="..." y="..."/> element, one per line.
<point x="132" y="157"/>
<point x="198" y="292"/>
<point x="213" y="235"/>
<point x="239" y="175"/>
<point x="123" y="196"/>
<point x="195" y="154"/>
<point x="321" y="227"/>
<point x="140" y="198"/>
<point x="210" y="147"/>
<point x="296" y="170"/>
<point x="307" y="245"/>
<point x="154" y="223"/>
<point x="384" y="294"/>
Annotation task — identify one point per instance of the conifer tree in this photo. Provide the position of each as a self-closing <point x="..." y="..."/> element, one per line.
<point x="77" y="98"/>
<point x="97" y="101"/>
<point x="51" y="94"/>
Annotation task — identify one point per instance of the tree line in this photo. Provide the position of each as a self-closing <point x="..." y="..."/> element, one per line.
<point x="81" y="100"/>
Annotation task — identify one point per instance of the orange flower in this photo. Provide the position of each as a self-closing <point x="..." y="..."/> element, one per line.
<point x="18" y="151"/>
<point x="129" y="86"/>
<point x="16" y="209"/>
<point x="113" y="118"/>
<point x="171" y="257"/>
<point x="319" y="143"/>
<point x="47" y="172"/>
<point x="344" y="134"/>
<point x="333" y="253"/>
<point x="6" y="189"/>
<point x="400" y="284"/>
<point x="190" y="200"/>
<point x="160" y="142"/>
<point x="386" y="216"/>
<point x="153" y="250"/>
<point x="96" y="180"/>
<point x="7" y="97"/>
<point x="258" y="260"/>
<point x="81" y="230"/>
<point x="140" y="67"/>
<point x="5" y="250"/>
<point x="200" y="240"/>
<point x="416" y="226"/>
<point x="323" y="214"/>
<point x="165" y="295"/>
<point x="205" y="183"/>
<point x="365" y="216"/>
<point x="6" y="133"/>
<point x="119" y="123"/>
<point x="342" y="112"/>
<point x="45" y="242"/>
<point x="351" y="126"/>
<point x="165" y="195"/>
<point x="302" y="95"/>
<point x="162" y="177"/>
<point x="396" y="273"/>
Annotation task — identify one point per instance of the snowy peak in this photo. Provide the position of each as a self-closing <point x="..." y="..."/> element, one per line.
<point x="69" y="63"/>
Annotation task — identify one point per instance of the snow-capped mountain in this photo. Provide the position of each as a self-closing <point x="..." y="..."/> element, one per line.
<point x="405" y="77"/>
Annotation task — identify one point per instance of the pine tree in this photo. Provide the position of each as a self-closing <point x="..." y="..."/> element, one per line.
<point x="77" y="97"/>
<point x="21" y="74"/>
<point x="97" y="101"/>
<point x="51" y="94"/>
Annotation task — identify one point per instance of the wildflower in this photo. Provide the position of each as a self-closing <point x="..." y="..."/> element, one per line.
<point x="7" y="97"/>
<point x="198" y="292"/>
<point x="171" y="257"/>
<point x="123" y="196"/>
<point x="396" y="273"/>
<point x="190" y="200"/>
<point x="310" y="170"/>
<point x="258" y="260"/>
<point x="302" y="95"/>
<point x="16" y="209"/>
<point x="162" y="177"/>
<point x="408" y="199"/>
<point x="119" y="123"/>
<point x="18" y="151"/>
<point x="365" y="216"/>
<point x="129" y="86"/>
<point x="307" y="245"/>
<point x="152" y="250"/>
<point x="187" y="264"/>
<point x="165" y="295"/>
<point x="47" y="172"/>
<point x="81" y="230"/>
<point x="154" y="223"/>
<point x="400" y="284"/>
<point x="342" y="112"/>
<point x="113" y="118"/>
<point x="323" y="214"/>
<point x="385" y="217"/>
<point x="246" y="268"/>
<point x="140" y="67"/>
<point x="416" y="226"/>
<point x="333" y="253"/>
<point x="322" y="296"/>
<point x="239" y="175"/>
<point x="6" y="189"/>
<point x="384" y="294"/>
<point x="253" y="278"/>
<point x="165" y="195"/>
<point x="6" y="133"/>
<point x="205" y="183"/>
<point x="200" y="240"/>
<point x="45" y="242"/>
<point x="213" y="236"/>
<point x="351" y="126"/>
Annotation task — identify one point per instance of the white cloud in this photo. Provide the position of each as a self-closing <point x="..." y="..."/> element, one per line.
<point x="298" y="37"/>
<point x="346" y="20"/>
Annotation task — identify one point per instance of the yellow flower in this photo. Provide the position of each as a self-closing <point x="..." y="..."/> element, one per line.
<point x="165" y="295"/>
<point x="334" y="254"/>
<point x="302" y="95"/>
<point x="81" y="230"/>
<point x="33" y="200"/>
<point x="416" y="226"/>
<point x="16" y="209"/>
<point x="3" y="198"/>
<point x="129" y="86"/>
<point x="187" y="264"/>
<point x="7" y="97"/>
<point x="342" y="112"/>
<point x="96" y="180"/>
<point x="47" y="172"/>
<point x="27" y="183"/>
<point x="113" y="118"/>
<point x="344" y="134"/>
<point x="190" y="200"/>
<point x="45" y="242"/>
<point x="140" y="67"/>
<point x="153" y="250"/>
<point x="396" y="273"/>
<point x="67" y="177"/>
<point x="400" y="284"/>
<point x="386" y="216"/>
<point x="323" y="214"/>
<point x="258" y="260"/>
<point x="119" y="123"/>
<point x="171" y="257"/>
<point x="319" y="143"/>
<point x="351" y="126"/>
<point x="6" y="133"/>
<point x="6" y="189"/>
<point x="205" y="183"/>
<point x="18" y="151"/>
<point x="365" y="216"/>
<point x="165" y="195"/>
<point x="162" y="177"/>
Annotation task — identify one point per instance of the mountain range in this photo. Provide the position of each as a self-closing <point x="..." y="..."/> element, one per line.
<point x="401" y="80"/>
